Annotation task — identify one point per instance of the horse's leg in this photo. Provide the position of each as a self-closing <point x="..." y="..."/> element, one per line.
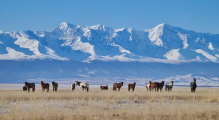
<point x="28" y="89"/>
<point x="133" y="89"/>
<point x="128" y="88"/>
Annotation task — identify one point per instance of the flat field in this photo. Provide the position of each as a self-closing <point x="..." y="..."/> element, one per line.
<point x="180" y="104"/>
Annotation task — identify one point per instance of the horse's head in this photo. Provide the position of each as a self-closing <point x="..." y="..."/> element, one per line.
<point x="77" y="83"/>
<point x="162" y="82"/>
<point x="194" y="79"/>
<point x="101" y="86"/>
<point x="134" y="83"/>
<point x="25" y="83"/>
<point x="172" y="82"/>
<point x="41" y="82"/>
<point x="149" y="82"/>
<point x="53" y="82"/>
<point x="121" y="83"/>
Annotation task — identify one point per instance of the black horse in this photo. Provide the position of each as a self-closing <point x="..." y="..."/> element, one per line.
<point x="54" y="86"/>
<point x="30" y="85"/>
<point x="159" y="86"/>
<point x="73" y="86"/>
<point x="193" y="85"/>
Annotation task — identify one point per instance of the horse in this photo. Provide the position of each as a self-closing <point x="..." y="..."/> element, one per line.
<point x="104" y="87"/>
<point x="73" y="86"/>
<point x="159" y="86"/>
<point x="193" y="85"/>
<point x="54" y="86"/>
<point x="169" y="86"/>
<point x="152" y="86"/>
<point x="24" y="88"/>
<point x="117" y="85"/>
<point x="131" y="86"/>
<point x="45" y="86"/>
<point x="148" y="86"/>
<point x="82" y="85"/>
<point x="30" y="85"/>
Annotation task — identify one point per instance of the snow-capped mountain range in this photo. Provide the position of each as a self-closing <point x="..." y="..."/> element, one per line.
<point x="163" y="43"/>
<point x="102" y="55"/>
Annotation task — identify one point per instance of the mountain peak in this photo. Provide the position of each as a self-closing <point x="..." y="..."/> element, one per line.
<point x="65" y="25"/>
<point x="98" y="27"/>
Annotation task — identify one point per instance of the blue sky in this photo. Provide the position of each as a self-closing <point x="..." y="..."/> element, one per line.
<point x="46" y="15"/>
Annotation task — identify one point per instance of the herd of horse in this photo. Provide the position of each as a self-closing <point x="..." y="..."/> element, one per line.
<point x="150" y="86"/>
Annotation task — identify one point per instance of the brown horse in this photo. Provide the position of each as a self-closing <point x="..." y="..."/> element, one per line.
<point x="104" y="87"/>
<point x="24" y="88"/>
<point x="30" y="85"/>
<point x="131" y="86"/>
<point x="153" y="86"/>
<point x="117" y="85"/>
<point x="45" y="86"/>
<point x="54" y="86"/>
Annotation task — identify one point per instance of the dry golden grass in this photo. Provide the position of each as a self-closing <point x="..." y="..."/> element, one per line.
<point x="96" y="104"/>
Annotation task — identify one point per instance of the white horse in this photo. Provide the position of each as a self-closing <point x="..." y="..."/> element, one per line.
<point x="148" y="86"/>
<point x="82" y="85"/>
<point x="169" y="86"/>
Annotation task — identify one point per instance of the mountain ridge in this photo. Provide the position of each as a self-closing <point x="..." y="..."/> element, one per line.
<point x="163" y="43"/>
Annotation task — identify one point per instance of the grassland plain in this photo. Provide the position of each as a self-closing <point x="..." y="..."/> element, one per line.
<point x="180" y="104"/>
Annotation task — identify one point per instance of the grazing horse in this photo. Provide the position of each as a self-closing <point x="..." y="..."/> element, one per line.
<point x="54" y="86"/>
<point x="45" y="86"/>
<point x="148" y="86"/>
<point x="73" y="86"/>
<point x="117" y="85"/>
<point x="30" y="85"/>
<point x="152" y="86"/>
<point x="159" y="86"/>
<point x="131" y="86"/>
<point x="193" y="85"/>
<point x="104" y="87"/>
<point x="82" y="85"/>
<point x="24" y="88"/>
<point x="169" y="86"/>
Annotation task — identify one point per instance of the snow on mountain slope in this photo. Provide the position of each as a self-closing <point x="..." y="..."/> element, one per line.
<point x="163" y="43"/>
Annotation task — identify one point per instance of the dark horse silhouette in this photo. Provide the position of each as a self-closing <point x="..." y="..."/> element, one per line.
<point x="193" y="85"/>
<point x="54" y="86"/>
<point x="131" y="86"/>
<point x="45" y="86"/>
<point x="24" y="88"/>
<point x="169" y="86"/>
<point x="30" y="85"/>
<point x="104" y="87"/>
<point x="73" y="86"/>
<point x="159" y="86"/>
<point x="117" y="85"/>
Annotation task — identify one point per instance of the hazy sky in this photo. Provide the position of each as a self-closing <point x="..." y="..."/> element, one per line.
<point x="46" y="15"/>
